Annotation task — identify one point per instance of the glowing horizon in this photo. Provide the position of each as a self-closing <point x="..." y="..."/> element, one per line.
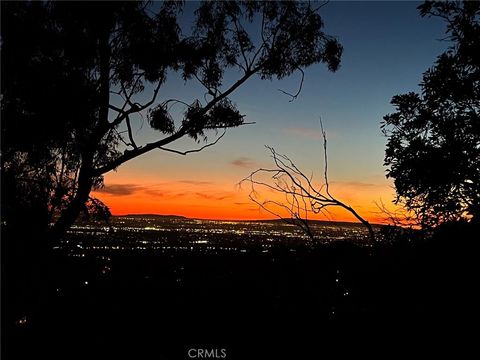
<point x="387" y="47"/>
<point x="213" y="201"/>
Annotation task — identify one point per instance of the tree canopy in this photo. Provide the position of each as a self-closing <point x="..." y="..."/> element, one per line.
<point x="433" y="148"/>
<point x="75" y="76"/>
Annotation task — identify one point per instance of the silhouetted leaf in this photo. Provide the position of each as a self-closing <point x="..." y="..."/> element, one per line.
<point x="160" y="120"/>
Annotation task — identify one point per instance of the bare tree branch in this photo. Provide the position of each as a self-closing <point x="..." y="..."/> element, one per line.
<point x="294" y="96"/>
<point x="128" y="155"/>
<point x="135" y="108"/>
<point x="301" y="196"/>
<point x="398" y="217"/>
<point x="325" y="154"/>
<point x="130" y="135"/>
<point x="194" y="150"/>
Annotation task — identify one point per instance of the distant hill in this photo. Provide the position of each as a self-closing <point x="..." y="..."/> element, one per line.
<point x="157" y="216"/>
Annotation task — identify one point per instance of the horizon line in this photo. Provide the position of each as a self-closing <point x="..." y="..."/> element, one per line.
<point x="243" y="220"/>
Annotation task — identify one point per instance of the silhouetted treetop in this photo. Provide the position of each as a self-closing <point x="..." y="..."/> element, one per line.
<point x="78" y="78"/>
<point x="433" y="148"/>
<point x="462" y="26"/>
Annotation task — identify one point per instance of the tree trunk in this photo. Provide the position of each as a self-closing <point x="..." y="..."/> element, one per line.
<point x="86" y="175"/>
<point x="70" y="214"/>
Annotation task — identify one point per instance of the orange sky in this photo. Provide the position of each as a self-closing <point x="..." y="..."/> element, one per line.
<point x="351" y="103"/>
<point x="127" y="194"/>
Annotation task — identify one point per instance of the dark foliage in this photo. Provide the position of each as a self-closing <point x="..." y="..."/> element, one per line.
<point x="77" y="79"/>
<point x="75" y="76"/>
<point x="433" y="148"/>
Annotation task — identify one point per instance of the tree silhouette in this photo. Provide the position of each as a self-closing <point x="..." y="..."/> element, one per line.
<point x="433" y="148"/>
<point x="76" y="76"/>
<point x="301" y="198"/>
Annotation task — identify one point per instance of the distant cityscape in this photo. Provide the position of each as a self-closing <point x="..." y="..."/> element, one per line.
<point x="156" y="233"/>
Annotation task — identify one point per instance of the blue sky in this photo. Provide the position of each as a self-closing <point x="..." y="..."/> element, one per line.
<point x="387" y="47"/>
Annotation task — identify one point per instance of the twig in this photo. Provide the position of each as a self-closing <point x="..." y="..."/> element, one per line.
<point x="193" y="150"/>
<point x="294" y="96"/>
<point x="301" y="196"/>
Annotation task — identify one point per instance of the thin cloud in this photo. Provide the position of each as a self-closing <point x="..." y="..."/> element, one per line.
<point x="193" y="182"/>
<point x="213" y="197"/>
<point x="357" y="184"/>
<point x="304" y="132"/>
<point x="243" y="162"/>
<point x="154" y="193"/>
<point x="120" y="189"/>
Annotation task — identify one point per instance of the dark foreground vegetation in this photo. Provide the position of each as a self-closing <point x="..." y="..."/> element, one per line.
<point x="338" y="297"/>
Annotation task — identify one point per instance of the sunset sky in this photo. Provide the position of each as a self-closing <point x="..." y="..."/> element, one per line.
<point x="387" y="47"/>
